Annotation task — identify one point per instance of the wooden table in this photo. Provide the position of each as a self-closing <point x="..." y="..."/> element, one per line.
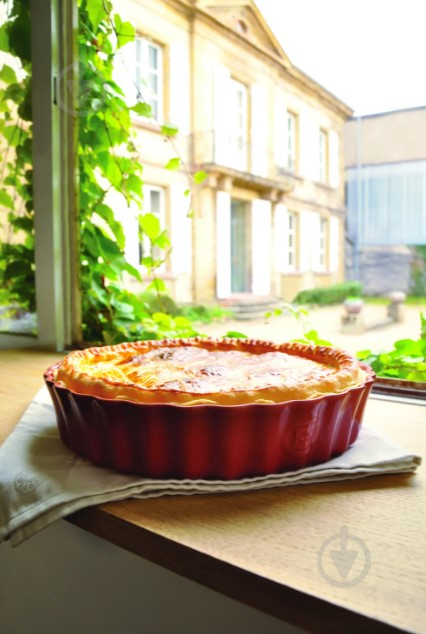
<point x="262" y="547"/>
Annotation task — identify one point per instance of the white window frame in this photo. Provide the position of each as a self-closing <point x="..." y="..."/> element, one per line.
<point x="291" y="241"/>
<point x="291" y="141"/>
<point x="322" y="248"/>
<point x="143" y="73"/>
<point x="56" y="278"/>
<point x="323" y="156"/>
<point x="144" y="244"/>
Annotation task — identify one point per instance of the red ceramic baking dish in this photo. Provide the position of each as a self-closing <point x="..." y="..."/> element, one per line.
<point x="210" y="441"/>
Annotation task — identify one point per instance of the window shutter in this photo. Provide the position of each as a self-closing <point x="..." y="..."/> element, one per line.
<point x="280" y="130"/>
<point x="333" y="153"/>
<point x="125" y="72"/>
<point x="127" y="216"/>
<point x="309" y="241"/>
<point x="304" y="242"/>
<point x="261" y="247"/>
<point x="223" y="244"/>
<point x="221" y="135"/>
<point x="334" y="243"/>
<point x="259" y="130"/>
<point x="314" y="234"/>
<point x="309" y="146"/>
<point x="281" y="237"/>
<point x="179" y="87"/>
<point x="180" y="232"/>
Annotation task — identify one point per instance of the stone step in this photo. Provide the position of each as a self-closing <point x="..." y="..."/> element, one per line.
<point x="247" y="307"/>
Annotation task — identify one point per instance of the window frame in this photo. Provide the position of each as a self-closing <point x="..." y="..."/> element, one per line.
<point x="144" y="244"/>
<point x="53" y="25"/>
<point x="142" y="74"/>
<point x="291" y="254"/>
<point x="291" y="150"/>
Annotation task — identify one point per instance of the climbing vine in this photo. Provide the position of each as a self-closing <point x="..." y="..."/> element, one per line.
<point x="108" y="161"/>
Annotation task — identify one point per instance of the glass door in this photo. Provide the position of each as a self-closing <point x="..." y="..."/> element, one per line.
<point x="240" y="247"/>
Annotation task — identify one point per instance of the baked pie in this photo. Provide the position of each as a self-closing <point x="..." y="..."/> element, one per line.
<point x="200" y="407"/>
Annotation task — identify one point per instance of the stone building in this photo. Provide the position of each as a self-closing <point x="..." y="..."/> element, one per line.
<point x="269" y="219"/>
<point x="385" y="160"/>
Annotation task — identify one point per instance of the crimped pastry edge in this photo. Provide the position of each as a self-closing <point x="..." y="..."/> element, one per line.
<point x="349" y="374"/>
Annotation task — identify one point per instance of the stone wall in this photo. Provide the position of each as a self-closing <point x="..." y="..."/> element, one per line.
<point x="381" y="269"/>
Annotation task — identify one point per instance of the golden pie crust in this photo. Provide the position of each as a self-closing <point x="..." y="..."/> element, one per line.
<point x="201" y="371"/>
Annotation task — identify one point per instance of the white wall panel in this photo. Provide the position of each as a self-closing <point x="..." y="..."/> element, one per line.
<point x="334" y="244"/>
<point x="280" y="130"/>
<point x="259" y="130"/>
<point x="180" y="232"/>
<point x="261" y="247"/>
<point x="309" y="145"/>
<point x="333" y="153"/>
<point x="180" y="104"/>
<point x="309" y="241"/>
<point x="223" y="244"/>
<point x="281" y="237"/>
<point x="221" y="137"/>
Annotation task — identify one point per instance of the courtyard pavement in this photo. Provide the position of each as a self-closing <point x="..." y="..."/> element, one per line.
<point x="327" y="322"/>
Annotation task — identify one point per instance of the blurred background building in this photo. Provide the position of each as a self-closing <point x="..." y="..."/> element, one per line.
<point x="385" y="163"/>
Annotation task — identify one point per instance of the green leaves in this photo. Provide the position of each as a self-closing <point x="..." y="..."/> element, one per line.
<point x="125" y="31"/>
<point x="199" y="177"/>
<point x="234" y="334"/>
<point x="150" y="225"/>
<point x="173" y="164"/>
<point x="12" y="134"/>
<point x="143" y="109"/>
<point x="4" y="38"/>
<point x="8" y="75"/>
<point x="5" y="199"/>
<point x="168" y="129"/>
<point x="407" y="359"/>
<point x="96" y="13"/>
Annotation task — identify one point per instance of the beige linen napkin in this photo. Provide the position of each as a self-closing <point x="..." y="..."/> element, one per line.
<point x="41" y="480"/>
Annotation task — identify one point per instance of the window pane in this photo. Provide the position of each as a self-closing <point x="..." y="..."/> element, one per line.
<point x="153" y="57"/>
<point x="155" y="202"/>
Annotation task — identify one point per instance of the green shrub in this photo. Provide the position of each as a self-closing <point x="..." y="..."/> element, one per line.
<point x="163" y="303"/>
<point x="330" y="295"/>
<point x="160" y="303"/>
<point x="204" y="314"/>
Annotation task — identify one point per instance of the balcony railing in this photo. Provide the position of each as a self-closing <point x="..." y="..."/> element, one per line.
<point x="235" y="156"/>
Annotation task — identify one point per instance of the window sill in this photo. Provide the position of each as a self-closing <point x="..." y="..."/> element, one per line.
<point x="326" y="186"/>
<point x="150" y="126"/>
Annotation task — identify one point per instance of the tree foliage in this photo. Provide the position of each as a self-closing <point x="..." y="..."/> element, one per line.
<point x="108" y="161"/>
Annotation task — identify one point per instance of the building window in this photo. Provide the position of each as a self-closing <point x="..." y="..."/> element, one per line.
<point x="323" y="157"/>
<point x="322" y="250"/>
<point x="154" y="203"/>
<point x="149" y="60"/>
<point x="291" y="141"/>
<point x="291" y="245"/>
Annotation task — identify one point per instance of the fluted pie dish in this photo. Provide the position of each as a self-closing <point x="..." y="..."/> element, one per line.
<point x="208" y="408"/>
